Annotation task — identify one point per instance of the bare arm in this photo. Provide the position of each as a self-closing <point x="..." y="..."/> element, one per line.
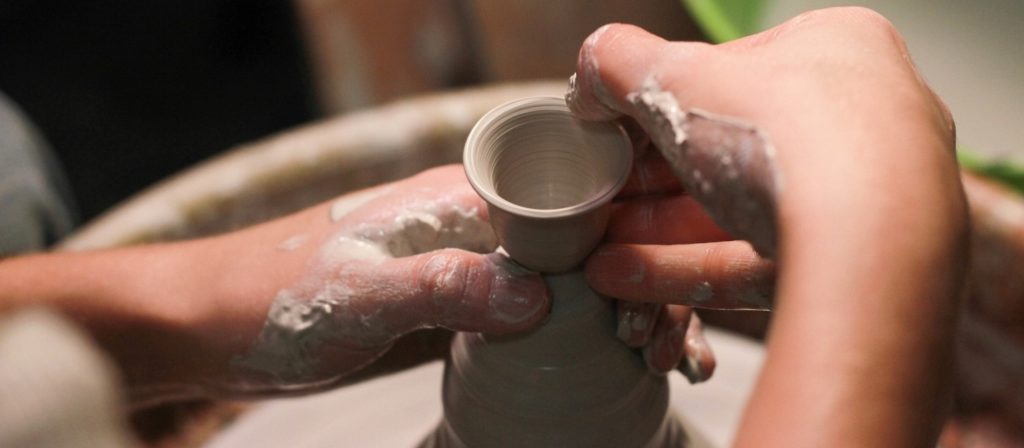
<point x="819" y="143"/>
<point x="199" y="317"/>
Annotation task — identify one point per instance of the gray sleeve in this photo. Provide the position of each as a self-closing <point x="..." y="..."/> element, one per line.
<point x="35" y="206"/>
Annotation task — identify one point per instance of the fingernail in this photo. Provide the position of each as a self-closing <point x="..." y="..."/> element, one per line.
<point x="517" y="295"/>
<point x="665" y="350"/>
<point x="625" y="328"/>
<point x="699" y="363"/>
<point x="690" y="368"/>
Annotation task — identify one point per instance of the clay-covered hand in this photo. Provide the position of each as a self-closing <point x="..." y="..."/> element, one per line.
<point x="802" y="84"/>
<point x="819" y="144"/>
<point x="330" y="290"/>
<point x="656" y="268"/>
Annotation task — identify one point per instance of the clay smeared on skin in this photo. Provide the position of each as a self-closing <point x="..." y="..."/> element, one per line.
<point x="327" y="308"/>
<point x="345" y="205"/>
<point x="593" y="101"/>
<point x="701" y="292"/>
<point x="635" y="322"/>
<point x="726" y="164"/>
<point x="293" y="243"/>
<point x="698" y="354"/>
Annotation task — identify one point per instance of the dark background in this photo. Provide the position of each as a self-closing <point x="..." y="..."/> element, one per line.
<point x="129" y="92"/>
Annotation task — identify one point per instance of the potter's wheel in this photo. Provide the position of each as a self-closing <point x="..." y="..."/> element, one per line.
<point x="399" y="410"/>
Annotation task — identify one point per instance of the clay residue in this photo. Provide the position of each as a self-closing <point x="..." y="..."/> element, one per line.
<point x="587" y="95"/>
<point x="701" y="293"/>
<point x="664" y="116"/>
<point x="326" y="307"/>
<point x="726" y="164"/>
<point x="624" y="329"/>
<point x="699" y="363"/>
<point x="292" y="243"/>
<point x="346" y="204"/>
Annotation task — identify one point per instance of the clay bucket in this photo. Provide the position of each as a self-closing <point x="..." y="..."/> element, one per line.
<point x="548" y="179"/>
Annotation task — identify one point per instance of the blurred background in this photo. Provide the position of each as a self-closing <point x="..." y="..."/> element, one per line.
<point x="127" y="93"/>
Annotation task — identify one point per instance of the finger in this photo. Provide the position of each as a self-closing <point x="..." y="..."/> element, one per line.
<point x="450" y="288"/>
<point x="725" y="275"/>
<point x="589" y="96"/>
<point x="663" y="220"/>
<point x="666" y="349"/>
<point x="650" y="175"/>
<point x="698" y="364"/>
<point x="636" y="321"/>
<point x="727" y="164"/>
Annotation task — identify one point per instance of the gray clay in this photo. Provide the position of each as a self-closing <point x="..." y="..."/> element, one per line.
<point x="548" y="180"/>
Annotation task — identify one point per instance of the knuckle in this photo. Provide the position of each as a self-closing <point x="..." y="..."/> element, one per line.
<point x="714" y="260"/>
<point x="865" y="16"/>
<point x="445" y="274"/>
<point x="873" y="26"/>
<point x="856" y="22"/>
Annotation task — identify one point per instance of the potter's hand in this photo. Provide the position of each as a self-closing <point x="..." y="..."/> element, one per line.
<point x="818" y="142"/>
<point x="295" y="304"/>
<point x="350" y="280"/>
<point x="662" y="271"/>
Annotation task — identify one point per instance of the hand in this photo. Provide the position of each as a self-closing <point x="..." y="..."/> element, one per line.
<point x="364" y="271"/>
<point x="397" y="258"/>
<point x="705" y="265"/>
<point x="819" y="143"/>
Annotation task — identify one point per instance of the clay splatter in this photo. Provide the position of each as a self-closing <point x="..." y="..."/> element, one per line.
<point x="292" y="243"/>
<point x="325" y="309"/>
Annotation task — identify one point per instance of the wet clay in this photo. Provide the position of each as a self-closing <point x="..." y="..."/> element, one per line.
<point x="571" y="382"/>
<point x="547" y="178"/>
<point x="728" y="165"/>
<point x="331" y="307"/>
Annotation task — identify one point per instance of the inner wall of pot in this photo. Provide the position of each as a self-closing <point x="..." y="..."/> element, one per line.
<point x="546" y="159"/>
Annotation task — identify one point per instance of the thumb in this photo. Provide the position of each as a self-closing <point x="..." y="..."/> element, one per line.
<point x="724" y="163"/>
<point x="458" y="290"/>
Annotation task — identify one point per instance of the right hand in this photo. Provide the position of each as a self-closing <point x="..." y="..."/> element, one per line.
<point x="819" y="143"/>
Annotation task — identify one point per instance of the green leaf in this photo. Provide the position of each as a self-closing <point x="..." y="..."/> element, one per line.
<point x="1005" y="172"/>
<point x="725" y="20"/>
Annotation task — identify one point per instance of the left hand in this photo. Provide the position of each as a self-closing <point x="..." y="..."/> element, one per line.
<point x="376" y="266"/>
<point x="337" y="292"/>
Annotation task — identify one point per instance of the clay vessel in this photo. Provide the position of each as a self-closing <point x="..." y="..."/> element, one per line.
<point x="548" y="180"/>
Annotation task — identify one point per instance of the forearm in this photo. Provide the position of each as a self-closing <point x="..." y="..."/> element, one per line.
<point x="144" y="305"/>
<point x="860" y="351"/>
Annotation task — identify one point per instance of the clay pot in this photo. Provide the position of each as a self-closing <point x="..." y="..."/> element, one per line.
<point x="548" y="179"/>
